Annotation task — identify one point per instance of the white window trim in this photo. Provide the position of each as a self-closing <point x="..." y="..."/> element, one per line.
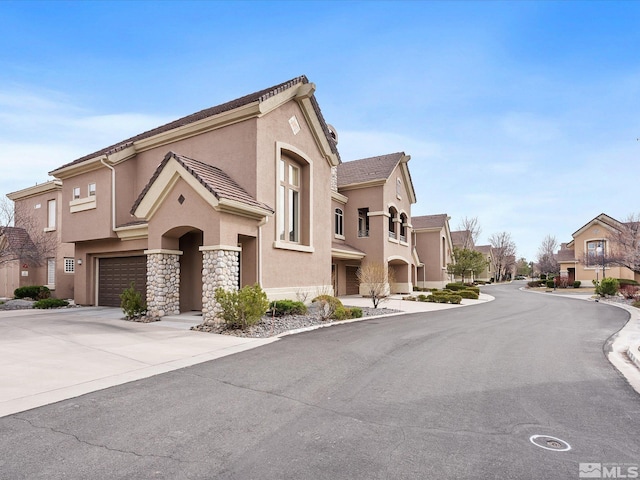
<point x="51" y="285"/>
<point x="72" y="262"/>
<point x="283" y="244"/>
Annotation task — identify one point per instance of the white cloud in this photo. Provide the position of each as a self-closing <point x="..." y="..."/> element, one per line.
<point x="40" y="133"/>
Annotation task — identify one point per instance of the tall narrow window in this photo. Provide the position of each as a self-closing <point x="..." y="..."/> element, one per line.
<point x="392" y="222"/>
<point x="403" y="227"/>
<point x="289" y="201"/>
<point x="51" y="271"/>
<point x="595" y="252"/>
<point x="92" y="189"/>
<point x="339" y="222"/>
<point x="363" y="222"/>
<point x="51" y="214"/>
<point x="76" y="193"/>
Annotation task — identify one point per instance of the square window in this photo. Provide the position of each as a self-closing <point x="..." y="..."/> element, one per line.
<point x="69" y="265"/>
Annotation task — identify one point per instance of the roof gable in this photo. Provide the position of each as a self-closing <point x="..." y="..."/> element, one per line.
<point x="429" y="221"/>
<point x="375" y="171"/>
<point x="603" y="219"/>
<point x="263" y="99"/>
<point x="211" y="183"/>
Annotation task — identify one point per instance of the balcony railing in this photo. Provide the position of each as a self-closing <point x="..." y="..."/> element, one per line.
<point x="363" y="233"/>
<point x="392" y="235"/>
<point x="403" y="238"/>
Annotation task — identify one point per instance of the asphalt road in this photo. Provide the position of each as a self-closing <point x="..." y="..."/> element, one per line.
<point x="454" y="394"/>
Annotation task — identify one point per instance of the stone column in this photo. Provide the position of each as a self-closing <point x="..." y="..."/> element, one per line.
<point x="220" y="268"/>
<point x="163" y="282"/>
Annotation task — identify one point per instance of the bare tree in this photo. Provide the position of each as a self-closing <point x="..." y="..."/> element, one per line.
<point x="471" y="228"/>
<point x="22" y="238"/>
<point x="376" y="278"/>
<point x="503" y="254"/>
<point x="546" y="261"/>
<point x="624" y="244"/>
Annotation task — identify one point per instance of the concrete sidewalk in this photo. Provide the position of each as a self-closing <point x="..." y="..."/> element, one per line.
<point x="51" y="355"/>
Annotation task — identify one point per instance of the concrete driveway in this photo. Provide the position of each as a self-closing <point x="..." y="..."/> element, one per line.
<point x="51" y="355"/>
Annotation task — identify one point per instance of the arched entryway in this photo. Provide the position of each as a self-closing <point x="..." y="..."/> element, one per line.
<point x="399" y="275"/>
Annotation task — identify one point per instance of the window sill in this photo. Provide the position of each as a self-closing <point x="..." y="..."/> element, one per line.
<point x="393" y="240"/>
<point x="404" y="243"/>
<point x="293" y="246"/>
<point x="339" y="237"/>
<point x="50" y="229"/>
<point x="51" y="286"/>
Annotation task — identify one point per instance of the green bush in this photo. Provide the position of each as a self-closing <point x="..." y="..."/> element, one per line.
<point x="470" y="294"/>
<point x="346" y="313"/>
<point x="577" y="284"/>
<point x="608" y="286"/>
<point x="444" y="297"/>
<point x="356" y="312"/>
<point x="627" y="281"/>
<point x="131" y="302"/>
<point x="50" y="303"/>
<point x="287" y="307"/>
<point x="37" y="292"/>
<point x="242" y="308"/>
<point x="536" y="283"/>
<point x="550" y="284"/>
<point x="454" y="286"/>
<point x="423" y="298"/>
<point x="328" y="305"/>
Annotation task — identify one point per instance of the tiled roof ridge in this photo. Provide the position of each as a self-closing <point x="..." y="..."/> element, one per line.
<point x="355" y="172"/>
<point x="184" y="162"/>
<point x="259" y="96"/>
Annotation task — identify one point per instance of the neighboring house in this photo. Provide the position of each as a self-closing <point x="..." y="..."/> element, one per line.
<point x="372" y="221"/>
<point x="584" y="258"/>
<point x="488" y="274"/>
<point x="433" y="250"/>
<point x="32" y="252"/>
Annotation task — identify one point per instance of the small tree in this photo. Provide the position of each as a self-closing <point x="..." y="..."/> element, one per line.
<point x="625" y="244"/>
<point x="131" y="302"/>
<point x="467" y="262"/>
<point x="503" y="254"/>
<point x="547" y="262"/>
<point x="376" y="278"/>
<point x="471" y="231"/>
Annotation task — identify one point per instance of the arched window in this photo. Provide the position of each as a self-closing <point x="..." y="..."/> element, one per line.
<point x="339" y="222"/>
<point x="403" y="227"/>
<point x="393" y="214"/>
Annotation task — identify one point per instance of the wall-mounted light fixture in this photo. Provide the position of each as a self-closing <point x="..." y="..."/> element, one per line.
<point x="79" y="261"/>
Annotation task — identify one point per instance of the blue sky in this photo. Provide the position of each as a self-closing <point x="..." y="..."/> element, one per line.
<point x="523" y="114"/>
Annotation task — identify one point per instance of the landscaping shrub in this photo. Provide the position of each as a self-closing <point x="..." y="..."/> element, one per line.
<point x="242" y="308"/>
<point x="287" y="307"/>
<point x="470" y="294"/>
<point x="356" y="312"/>
<point x="629" y="291"/>
<point x="328" y="305"/>
<point x="50" y="303"/>
<point x="577" y="284"/>
<point x="535" y="283"/>
<point x="627" y="281"/>
<point x="563" y="282"/>
<point x="636" y="304"/>
<point x="131" y="302"/>
<point x="37" y="292"/>
<point x="608" y="286"/>
<point x="543" y="276"/>
<point x="345" y="313"/>
<point x="444" y="297"/>
<point x="550" y="284"/>
<point x="455" y="286"/>
<point x="423" y="298"/>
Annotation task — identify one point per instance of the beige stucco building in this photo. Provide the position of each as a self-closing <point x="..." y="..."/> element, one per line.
<point x="433" y="250"/>
<point x="584" y="258"/>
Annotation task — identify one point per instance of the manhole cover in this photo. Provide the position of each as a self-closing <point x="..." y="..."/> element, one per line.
<point x="550" y="443"/>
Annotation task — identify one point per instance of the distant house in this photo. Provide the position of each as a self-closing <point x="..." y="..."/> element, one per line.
<point x="32" y="251"/>
<point x="433" y="249"/>
<point x="584" y="258"/>
<point x="488" y="274"/>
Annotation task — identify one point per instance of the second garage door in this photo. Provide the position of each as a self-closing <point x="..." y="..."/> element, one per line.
<point x="116" y="274"/>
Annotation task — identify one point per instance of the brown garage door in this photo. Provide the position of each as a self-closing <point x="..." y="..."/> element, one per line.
<point x="353" y="286"/>
<point x="116" y="274"/>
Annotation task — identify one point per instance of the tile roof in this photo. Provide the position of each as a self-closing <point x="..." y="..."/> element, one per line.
<point x="565" y="255"/>
<point x="368" y="169"/>
<point x="484" y="249"/>
<point x="259" y="96"/>
<point x="458" y="237"/>
<point x="215" y="180"/>
<point x="347" y="247"/>
<point x="19" y="244"/>
<point x="429" y="221"/>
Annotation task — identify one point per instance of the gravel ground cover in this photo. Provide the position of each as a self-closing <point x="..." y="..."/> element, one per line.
<point x="270" y="326"/>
